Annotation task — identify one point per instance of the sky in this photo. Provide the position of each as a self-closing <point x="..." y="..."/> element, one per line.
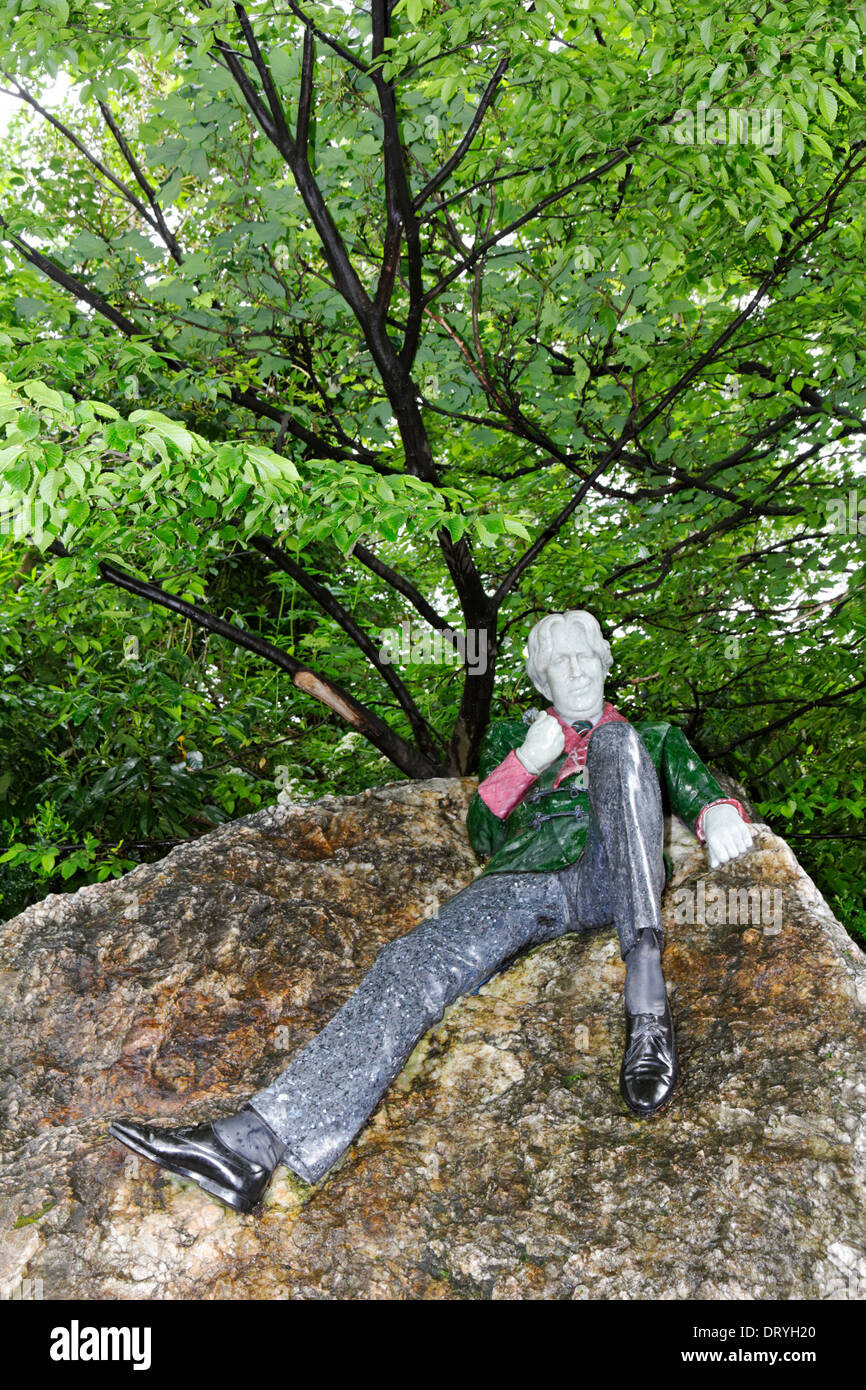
<point x="51" y="97"/>
<point x="7" y="106"/>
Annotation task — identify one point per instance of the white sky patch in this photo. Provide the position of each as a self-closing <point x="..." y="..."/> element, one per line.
<point x="8" y="107"/>
<point x="51" y="98"/>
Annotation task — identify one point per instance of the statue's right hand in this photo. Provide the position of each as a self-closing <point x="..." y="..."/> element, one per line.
<point x="544" y="742"/>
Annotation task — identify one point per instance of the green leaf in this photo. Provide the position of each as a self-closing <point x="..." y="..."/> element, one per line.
<point x="108" y="412"/>
<point x="9" y="455"/>
<point x="272" y="465"/>
<point x="796" y="145"/>
<point x="49" y="486"/>
<point x="43" y="395"/>
<point x="828" y="104"/>
<point x="819" y="143"/>
<point x="77" y="474"/>
<point x="799" y="112"/>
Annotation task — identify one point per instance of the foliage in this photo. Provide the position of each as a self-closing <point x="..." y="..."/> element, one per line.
<point x="320" y="319"/>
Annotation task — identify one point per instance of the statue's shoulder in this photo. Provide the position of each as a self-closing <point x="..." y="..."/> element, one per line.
<point x="652" y="724"/>
<point x="653" y="733"/>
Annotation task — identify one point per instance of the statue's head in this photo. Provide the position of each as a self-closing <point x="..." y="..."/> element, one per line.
<point x="567" y="660"/>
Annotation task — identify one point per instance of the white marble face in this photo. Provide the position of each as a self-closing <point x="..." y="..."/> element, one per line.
<point x="576" y="678"/>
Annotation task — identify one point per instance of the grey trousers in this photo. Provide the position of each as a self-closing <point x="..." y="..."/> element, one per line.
<point x="329" y="1089"/>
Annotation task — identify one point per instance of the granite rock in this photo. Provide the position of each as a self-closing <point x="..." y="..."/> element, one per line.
<point x="502" y="1164"/>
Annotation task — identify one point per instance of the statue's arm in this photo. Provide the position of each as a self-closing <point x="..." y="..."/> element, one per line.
<point x="486" y="826"/>
<point x="691" y="787"/>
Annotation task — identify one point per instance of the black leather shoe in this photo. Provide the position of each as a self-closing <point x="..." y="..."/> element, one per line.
<point x="649" y="1067"/>
<point x="197" y="1152"/>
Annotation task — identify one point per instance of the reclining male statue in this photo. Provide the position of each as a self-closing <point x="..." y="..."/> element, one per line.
<point x="569" y="811"/>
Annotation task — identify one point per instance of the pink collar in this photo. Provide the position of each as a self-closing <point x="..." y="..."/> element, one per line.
<point x="576" y="741"/>
<point x="573" y="736"/>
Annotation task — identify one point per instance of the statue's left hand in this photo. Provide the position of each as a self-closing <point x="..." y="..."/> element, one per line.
<point x="726" y="833"/>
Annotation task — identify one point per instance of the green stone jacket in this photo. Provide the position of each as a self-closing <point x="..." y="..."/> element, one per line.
<point x="547" y="828"/>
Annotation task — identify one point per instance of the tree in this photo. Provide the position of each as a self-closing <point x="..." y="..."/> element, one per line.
<point x="499" y="306"/>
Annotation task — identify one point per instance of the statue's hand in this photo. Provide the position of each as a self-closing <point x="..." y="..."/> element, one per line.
<point x="544" y="742"/>
<point x="726" y="833"/>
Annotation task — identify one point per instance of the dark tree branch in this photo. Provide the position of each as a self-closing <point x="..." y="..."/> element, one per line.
<point x="72" y="283"/>
<point x="442" y="203"/>
<point x="247" y="88"/>
<point x="633" y="428"/>
<point x="150" y="193"/>
<point x="409" y="759"/>
<point x="808" y="393"/>
<point x="665" y="559"/>
<point x="550" y="530"/>
<point x="156" y="221"/>
<point x="283" y="139"/>
<point x="79" y="289"/>
<point x="395" y="376"/>
<point x="328" y="39"/>
<point x="453" y="160"/>
<point x="481" y="250"/>
<point x="745" y="511"/>
<point x="274" y="127"/>
<point x="834" y="698"/>
<point x="400" y="212"/>
<point x="402" y="586"/>
<point x="305" y="96"/>
<point x="424" y="735"/>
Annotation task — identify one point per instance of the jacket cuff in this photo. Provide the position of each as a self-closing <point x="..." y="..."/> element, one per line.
<point x="505" y="786"/>
<point x="721" y="801"/>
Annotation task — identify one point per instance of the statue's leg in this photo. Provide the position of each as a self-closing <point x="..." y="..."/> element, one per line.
<point x="620" y="878"/>
<point x="621" y="873"/>
<point x="329" y="1089"/>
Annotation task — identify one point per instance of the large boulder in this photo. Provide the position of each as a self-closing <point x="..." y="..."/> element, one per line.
<point x="502" y="1163"/>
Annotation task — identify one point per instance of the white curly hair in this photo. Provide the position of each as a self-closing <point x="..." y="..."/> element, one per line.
<point x="557" y="629"/>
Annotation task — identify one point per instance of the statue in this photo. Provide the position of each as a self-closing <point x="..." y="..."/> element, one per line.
<point x="569" y="814"/>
